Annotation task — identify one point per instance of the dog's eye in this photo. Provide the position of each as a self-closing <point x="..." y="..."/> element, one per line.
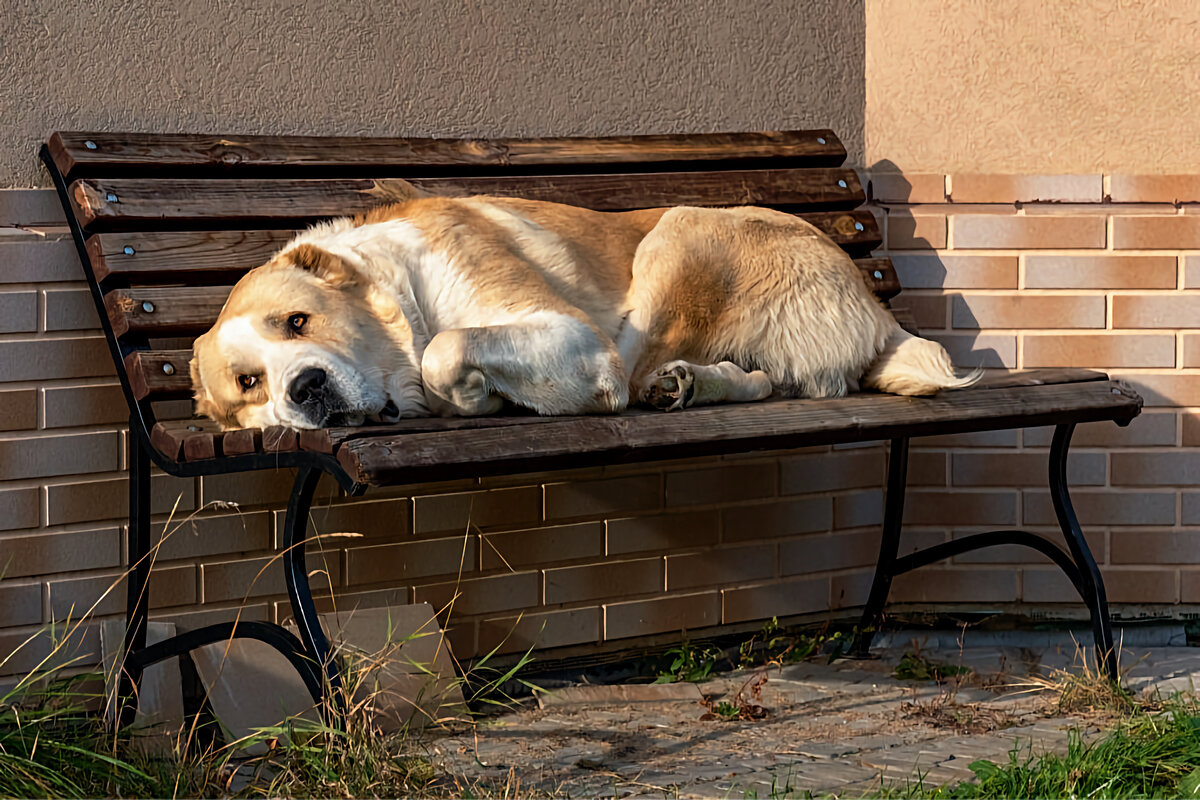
<point x="247" y="382"/>
<point x="296" y="322"/>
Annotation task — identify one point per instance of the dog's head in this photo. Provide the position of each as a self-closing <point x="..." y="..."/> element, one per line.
<point x="301" y="342"/>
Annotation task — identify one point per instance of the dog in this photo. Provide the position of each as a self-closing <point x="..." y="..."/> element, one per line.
<point x="462" y="306"/>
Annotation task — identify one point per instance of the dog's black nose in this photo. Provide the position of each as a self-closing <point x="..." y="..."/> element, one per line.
<point x="307" y="385"/>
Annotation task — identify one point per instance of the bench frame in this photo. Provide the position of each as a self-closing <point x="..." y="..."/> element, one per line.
<point x="310" y="652"/>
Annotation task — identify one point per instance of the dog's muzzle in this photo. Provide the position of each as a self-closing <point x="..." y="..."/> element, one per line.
<point x="310" y="393"/>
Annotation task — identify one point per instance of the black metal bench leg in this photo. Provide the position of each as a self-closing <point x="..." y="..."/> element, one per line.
<point x="137" y="548"/>
<point x="1092" y="584"/>
<point x="889" y="544"/>
<point x="304" y="611"/>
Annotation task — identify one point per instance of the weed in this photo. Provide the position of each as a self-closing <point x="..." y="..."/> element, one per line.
<point x="915" y="667"/>
<point x="688" y="663"/>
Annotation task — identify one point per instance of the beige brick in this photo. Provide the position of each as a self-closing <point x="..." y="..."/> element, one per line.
<point x="74" y="406"/>
<point x="1047" y="586"/>
<point x="70" y="310"/>
<point x="858" y="509"/>
<point x="849" y="591"/>
<point x="941" y="507"/>
<point x="46" y="359"/>
<point x="46" y="651"/>
<point x="1023" y="469"/>
<point x="1154" y="188"/>
<point x="1156" y="547"/>
<point x="1190" y="508"/>
<point x="33" y="208"/>
<point x="550" y="629"/>
<point x="1006" y="438"/>
<point x="1103" y="507"/>
<point x="1003" y="232"/>
<point x="1156" y="233"/>
<point x="608" y="580"/>
<point x="940" y="585"/>
<point x="38" y="260"/>
<point x="408" y="560"/>
<point x="1191" y="350"/>
<point x="644" y="534"/>
<point x="525" y="548"/>
<point x="927" y="468"/>
<point x="18" y="410"/>
<point x="195" y="536"/>
<point x="1099" y="272"/>
<point x="825" y="472"/>
<point x="1164" y="389"/>
<point x="1141" y="586"/>
<point x="18" y="312"/>
<point x="841" y="550"/>
<point x="481" y="595"/>
<point x="1191" y="272"/>
<point x="372" y="519"/>
<point x="973" y="350"/>
<point x="192" y="620"/>
<point x="457" y="512"/>
<point x="349" y="602"/>
<point x="1191" y="428"/>
<point x="1165" y="468"/>
<point x="984" y="188"/>
<point x="263" y="487"/>
<point x="46" y="553"/>
<point x="20" y="603"/>
<point x="893" y="187"/>
<point x="603" y="498"/>
<point x="1028" y="311"/>
<point x="107" y="594"/>
<point x="19" y="508"/>
<point x="771" y="520"/>
<point x="721" y="567"/>
<point x="1100" y="350"/>
<point x="1189" y="590"/>
<point x="92" y="501"/>
<point x="941" y="271"/>
<point x="48" y="456"/>
<point x="1156" y="311"/>
<point x="724" y="484"/>
<point x="1148" y="430"/>
<point x="908" y="230"/>
<point x="661" y="615"/>
<point x="928" y="311"/>
<point x="1017" y="554"/>
<point x="258" y="577"/>
<point x="802" y="596"/>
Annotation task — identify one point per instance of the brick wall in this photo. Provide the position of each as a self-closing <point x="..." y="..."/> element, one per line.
<point x="1096" y="271"/>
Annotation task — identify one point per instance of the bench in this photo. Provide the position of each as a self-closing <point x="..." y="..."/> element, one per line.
<point x="164" y="224"/>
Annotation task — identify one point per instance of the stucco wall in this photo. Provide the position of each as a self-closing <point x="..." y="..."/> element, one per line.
<point x="422" y="68"/>
<point x="1033" y="86"/>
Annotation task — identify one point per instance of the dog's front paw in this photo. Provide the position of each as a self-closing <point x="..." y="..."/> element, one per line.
<point x="672" y="388"/>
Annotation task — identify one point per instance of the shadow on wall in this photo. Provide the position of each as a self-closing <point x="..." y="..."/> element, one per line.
<point x="941" y="315"/>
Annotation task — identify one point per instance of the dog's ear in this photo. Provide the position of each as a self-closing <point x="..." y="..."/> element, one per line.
<point x="325" y="265"/>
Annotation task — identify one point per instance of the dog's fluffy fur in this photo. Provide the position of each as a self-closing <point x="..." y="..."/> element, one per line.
<point x="456" y="306"/>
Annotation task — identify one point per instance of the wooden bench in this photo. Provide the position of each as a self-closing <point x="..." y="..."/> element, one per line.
<point x="164" y="224"/>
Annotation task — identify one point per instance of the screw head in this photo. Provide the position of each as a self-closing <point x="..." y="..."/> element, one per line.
<point x="89" y="144"/>
<point x="194" y="428"/>
<point x="820" y="140"/>
<point x="147" y="306"/>
<point x="842" y="184"/>
<point x="878" y="275"/>
<point x="127" y="250"/>
<point x="858" y="226"/>
<point x="168" y="369"/>
<point x="110" y="197"/>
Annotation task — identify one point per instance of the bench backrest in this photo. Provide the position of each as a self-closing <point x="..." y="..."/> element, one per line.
<point x="167" y="223"/>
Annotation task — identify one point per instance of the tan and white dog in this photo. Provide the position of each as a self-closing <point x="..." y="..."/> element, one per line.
<point x="458" y="306"/>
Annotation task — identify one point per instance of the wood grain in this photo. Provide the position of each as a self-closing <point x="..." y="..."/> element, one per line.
<point x="165" y="311"/>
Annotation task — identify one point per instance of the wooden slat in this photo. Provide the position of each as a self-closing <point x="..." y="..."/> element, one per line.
<point x="906" y="319"/>
<point x="1005" y="379"/>
<point x="880" y="276"/>
<point x="752" y="426"/>
<point x="140" y="203"/>
<point x="169" y="311"/>
<point x="224" y="256"/>
<point x="187" y="440"/>
<point x="242" y="441"/>
<point x="159" y="374"/>
<point x="96" y="152"/>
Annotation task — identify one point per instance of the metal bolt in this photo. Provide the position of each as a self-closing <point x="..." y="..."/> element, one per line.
<point x="168" y="369"/>
<point x="878" y="275"/>
<point x="820" y="140"/>
<point x="194" y="428"/>
<point x="112" y="198"/>
<point x="89" y="144"/>
<point x="127" y="250"/>
<point x="858" y="226"/>
<point x="148" y="307"/>
<point x="842" y="184"/>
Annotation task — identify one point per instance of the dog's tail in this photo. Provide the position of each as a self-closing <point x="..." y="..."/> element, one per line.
<point x="914" y="366"/>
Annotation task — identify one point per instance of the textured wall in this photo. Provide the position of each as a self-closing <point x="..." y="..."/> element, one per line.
<point x="1042" y="86"/>
<point x="415" y="68"/>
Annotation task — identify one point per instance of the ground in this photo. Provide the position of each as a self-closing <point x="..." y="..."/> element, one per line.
<point x="836" y="727"/>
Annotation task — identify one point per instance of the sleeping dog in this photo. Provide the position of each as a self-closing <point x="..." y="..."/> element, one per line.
<point x="459" y="306"/>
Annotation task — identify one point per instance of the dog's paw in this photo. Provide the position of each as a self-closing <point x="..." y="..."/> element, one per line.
<point x="672" y="388"/>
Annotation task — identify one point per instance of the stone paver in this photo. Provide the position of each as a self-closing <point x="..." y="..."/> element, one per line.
<point x="829" y="728"/>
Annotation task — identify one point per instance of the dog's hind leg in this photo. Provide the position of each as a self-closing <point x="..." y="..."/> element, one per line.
<point x="678" y="384"/>
<point x="551" y="363"/>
